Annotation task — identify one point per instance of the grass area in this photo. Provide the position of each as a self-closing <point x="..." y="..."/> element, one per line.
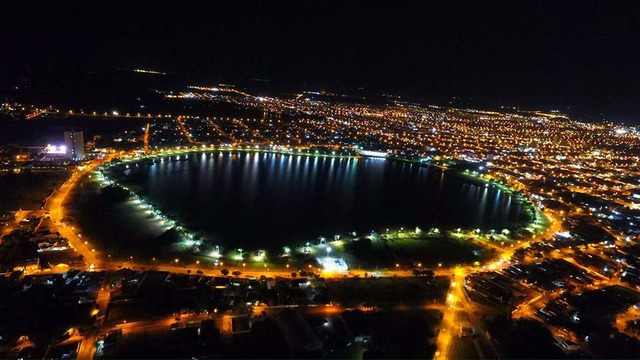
<point x="398" y="334"/>
<point x="26" y="190"/>
<point x="387" y="292"/>
<point x="408" y="250"/>
<point x="404" y="247"/>
<point x="396" y="249"/>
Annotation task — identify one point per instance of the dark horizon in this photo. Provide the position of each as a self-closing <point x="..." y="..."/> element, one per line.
<point x="578" y="57"/>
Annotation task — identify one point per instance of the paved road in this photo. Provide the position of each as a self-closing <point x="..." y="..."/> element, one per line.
<point x="56" y="212"/>
<point x="20" y="215"/>
<point x="457" y="300"/>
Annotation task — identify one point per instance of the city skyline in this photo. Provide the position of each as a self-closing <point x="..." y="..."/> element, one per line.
<point x="320" y="180"/>
<point x="574" y="56"/>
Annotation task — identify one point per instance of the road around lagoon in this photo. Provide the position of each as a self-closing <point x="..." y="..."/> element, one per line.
<point x="457" y="300"/>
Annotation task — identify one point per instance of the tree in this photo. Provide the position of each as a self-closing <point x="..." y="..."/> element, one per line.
<point x="428" y="273"/>
<point x="294" y="274"/>
<point x="360" y="249"/>
<point x="168" y="237"/>
<point x="224" y="272"/>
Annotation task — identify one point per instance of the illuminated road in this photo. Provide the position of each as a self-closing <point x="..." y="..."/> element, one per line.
<point x="631" y="314"/>
<point x="19" y="216"/>
<point x="184" y="131"/>
<point x="457" y="301"/>
<point x="54" y="206"/>
<point x="87" y="348"/>
<point x="145" y="137"/>
<point x="94" y="114"/>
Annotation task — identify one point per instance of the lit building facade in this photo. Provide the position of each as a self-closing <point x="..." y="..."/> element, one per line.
<point x="74" y="142"/>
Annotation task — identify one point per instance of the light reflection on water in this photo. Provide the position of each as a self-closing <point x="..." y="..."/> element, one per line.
<point x="267" y="200"/>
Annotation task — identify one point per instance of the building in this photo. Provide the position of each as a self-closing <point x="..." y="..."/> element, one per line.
<point x="297" y="333"/>
<point x="74" y="142"/>
<point x="333" y="264"/>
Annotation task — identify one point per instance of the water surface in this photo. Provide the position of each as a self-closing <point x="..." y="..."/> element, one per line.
<point x="267" y="200"/>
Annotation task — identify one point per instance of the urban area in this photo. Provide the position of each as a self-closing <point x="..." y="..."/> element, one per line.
<point x="565" y="286"/>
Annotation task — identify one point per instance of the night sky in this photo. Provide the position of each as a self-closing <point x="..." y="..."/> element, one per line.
<point x="553" y="54"/>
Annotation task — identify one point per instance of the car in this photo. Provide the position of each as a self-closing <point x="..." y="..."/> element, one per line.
<point x="466" y="330"/>
<point x="567" y="346"/>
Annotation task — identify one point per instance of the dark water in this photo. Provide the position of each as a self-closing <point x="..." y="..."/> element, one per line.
<point x="267" y="200"/>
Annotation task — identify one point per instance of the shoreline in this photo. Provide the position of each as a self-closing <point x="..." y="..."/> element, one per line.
<point x="217" y="261"/>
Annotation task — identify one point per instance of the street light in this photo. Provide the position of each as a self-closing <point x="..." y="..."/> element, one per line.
<point x="328" y="250"/>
